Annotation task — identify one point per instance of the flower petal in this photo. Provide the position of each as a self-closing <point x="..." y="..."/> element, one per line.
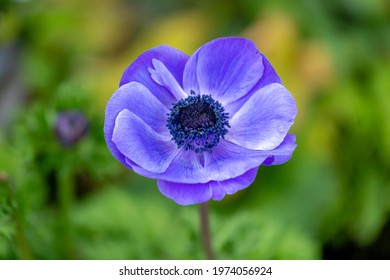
<point x="186" y="167"/>
<point x="141" y="144"/>
<point x="138" y="99"/>
<point x="217" y="191"/>
<point x="226" y="68"/>
<point x="227" y="160"/>
<point x="283" y="152"/>
<point x="264" y="120"/>
<point x="269" y="76"/>
<point x="187" y="194"/>
<point x="173" y="59"/>
<point x="241" y="182"/>
<point x="162" y="76"/>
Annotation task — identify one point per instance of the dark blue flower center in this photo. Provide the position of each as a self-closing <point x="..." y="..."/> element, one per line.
<point x="197" y="122"/>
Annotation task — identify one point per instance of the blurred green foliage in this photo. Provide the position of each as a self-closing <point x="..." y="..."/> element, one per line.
<point x="331" y="200"/>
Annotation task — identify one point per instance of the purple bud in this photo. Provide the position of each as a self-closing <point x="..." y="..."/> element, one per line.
<point x="70" y="127"/>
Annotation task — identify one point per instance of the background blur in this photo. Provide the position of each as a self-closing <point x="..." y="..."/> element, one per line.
<point x="64" y="196"/>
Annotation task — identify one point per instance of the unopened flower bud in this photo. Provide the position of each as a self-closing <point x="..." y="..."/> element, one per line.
<point x="70" y="127"/>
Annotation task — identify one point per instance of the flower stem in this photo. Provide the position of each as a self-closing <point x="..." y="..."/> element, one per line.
<point x="205" y="230"/>
<point x="19" y="216"/>
<point x="66" y="189"/>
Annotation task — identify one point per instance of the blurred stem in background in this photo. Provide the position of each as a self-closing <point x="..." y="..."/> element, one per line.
<point x="21" y="243"/>
<point x="66" y="197"/>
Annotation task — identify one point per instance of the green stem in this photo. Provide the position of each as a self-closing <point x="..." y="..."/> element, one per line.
<point x="205" y="230"/>
<point x="20" y="240"/>
<point x="65" y="200"/>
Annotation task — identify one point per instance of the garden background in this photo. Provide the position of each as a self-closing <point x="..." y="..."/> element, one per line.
<point x="75" y="201"/>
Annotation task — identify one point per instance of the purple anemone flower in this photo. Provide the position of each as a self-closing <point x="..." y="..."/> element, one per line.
<point x="202" y="124"/>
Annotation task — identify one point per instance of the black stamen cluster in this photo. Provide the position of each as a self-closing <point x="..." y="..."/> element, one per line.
<point x="197" y="122"/>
